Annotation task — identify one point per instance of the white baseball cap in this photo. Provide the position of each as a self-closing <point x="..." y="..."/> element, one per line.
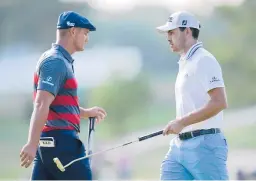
<point x="180" y="19"/>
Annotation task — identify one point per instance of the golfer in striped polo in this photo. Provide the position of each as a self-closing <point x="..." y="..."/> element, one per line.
<point x="55" y="122"/>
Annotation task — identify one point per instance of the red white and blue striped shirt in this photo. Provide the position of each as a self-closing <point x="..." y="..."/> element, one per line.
<point x="55" y="74"/>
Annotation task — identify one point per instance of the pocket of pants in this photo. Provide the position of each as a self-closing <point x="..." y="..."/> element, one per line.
<point x="80" y="145"/>
<point x="217" y="144"/>
<point x="74" y="145"/>
<point x="213" y="141"/>
<point x="192" y="144"/>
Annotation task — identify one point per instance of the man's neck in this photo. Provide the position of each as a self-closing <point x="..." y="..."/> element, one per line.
<point x="64" y="43"/>
<point x="187" y="47"/>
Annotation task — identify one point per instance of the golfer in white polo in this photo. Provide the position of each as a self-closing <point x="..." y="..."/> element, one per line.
<point x="199" y="151"/>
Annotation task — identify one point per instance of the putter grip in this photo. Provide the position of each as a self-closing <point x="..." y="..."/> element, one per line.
<point x="92" y="121"/>
<point x="150" y="135"/>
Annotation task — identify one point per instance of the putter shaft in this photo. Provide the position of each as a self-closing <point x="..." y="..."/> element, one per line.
<point x="62" y="168"/>
<point x="99" y="152"/>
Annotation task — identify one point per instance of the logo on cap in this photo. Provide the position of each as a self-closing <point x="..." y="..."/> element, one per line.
<point x="70" y="24"/>
<point x="170" y="19"/>
<point x="184" y="22"/>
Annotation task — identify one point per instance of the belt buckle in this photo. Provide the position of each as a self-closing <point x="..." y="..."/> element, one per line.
<point x="214" y="130"/>
<point x="192" y="135"/>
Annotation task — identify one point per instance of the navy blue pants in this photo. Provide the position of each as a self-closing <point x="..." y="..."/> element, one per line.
<point x="67" y="148"/>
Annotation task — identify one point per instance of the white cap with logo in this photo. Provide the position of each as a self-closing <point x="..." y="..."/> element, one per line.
<point x="180" y="19"/>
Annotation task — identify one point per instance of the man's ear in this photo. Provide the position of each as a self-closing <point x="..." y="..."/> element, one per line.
<point x="72" y="31"/>
<point x="188" y="31"/>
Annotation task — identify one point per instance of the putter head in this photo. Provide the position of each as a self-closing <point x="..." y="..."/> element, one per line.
<point x="59" y="164"/>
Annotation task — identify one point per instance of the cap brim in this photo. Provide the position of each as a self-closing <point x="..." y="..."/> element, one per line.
<point x="91" y="27"/>
<point x="87" y="24"/>
<point x="165" y="28"/>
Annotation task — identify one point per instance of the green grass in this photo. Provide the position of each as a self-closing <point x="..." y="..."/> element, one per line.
<point x="151" y="168"/>
<point x="12" y="140"/>
<point x="154" y="116"/>
<point x="242" y="137"/>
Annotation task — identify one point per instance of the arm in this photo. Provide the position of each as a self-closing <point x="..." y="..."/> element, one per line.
<point x="84" y="113"/>
<point x="51" y="76"/>
<point x="217" y="103"/>
<point x="39" y="116"/>
<point x="97" y="112"/>
<point x="210" y="77"/>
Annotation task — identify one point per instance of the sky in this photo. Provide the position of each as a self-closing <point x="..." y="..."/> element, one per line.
<point x="201" y="7"/>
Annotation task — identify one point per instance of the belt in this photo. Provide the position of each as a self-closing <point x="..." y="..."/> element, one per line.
<point x="192" y="134"/>
<point x="60" y="132"/>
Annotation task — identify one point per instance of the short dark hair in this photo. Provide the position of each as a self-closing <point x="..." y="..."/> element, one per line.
<point x="62" y="32"/>
<point x="195" y="32"/>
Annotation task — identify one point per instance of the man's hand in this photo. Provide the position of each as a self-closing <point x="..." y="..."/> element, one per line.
<point x="97" y="112"/>
<point x="39" y="116"/>
<point x="27" y="155"/>
<point x="173" y="127"/>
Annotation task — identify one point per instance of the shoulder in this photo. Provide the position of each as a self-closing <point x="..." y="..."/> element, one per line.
<point x="51" y="62"/>
<point x="206" y="63"/>
<point x="52" y="56"/>
<point x="206" y="59"/>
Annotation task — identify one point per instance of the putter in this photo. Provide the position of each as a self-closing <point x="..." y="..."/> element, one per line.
<point x="62" y="167"/>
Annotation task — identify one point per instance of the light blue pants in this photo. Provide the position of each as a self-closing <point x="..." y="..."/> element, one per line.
<point x="200" y="158"/>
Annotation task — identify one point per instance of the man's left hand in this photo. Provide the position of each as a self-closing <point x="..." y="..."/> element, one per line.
<point x="173" y="127"/>
<point x="97" y="112"/>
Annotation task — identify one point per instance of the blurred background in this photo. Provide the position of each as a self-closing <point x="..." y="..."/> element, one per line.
<point x="128" y="69"/>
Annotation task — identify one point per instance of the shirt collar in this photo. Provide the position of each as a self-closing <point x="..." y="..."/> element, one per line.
<point x="63" y="51"/>
<point x="192" y="50"/>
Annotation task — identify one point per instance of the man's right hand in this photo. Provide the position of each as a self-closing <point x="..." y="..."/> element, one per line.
<point x="39" y="116"/>
<point x="27" y="154"/>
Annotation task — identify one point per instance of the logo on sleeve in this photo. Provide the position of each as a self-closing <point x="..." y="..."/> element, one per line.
<point x="48" y="81"/>
<point x="214" y="79"/>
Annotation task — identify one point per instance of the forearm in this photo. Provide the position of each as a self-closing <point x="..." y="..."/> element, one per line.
<point x="211" y="109"/>
<point x="84" y="113"/>
<point x="38" y="119"/>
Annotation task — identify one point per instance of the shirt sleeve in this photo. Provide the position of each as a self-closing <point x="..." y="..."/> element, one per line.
<point x="52" y="74"/>
<point x="210" y="73"/>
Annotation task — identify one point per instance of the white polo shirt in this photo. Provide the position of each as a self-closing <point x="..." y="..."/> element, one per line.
<point x="199" y="72"/>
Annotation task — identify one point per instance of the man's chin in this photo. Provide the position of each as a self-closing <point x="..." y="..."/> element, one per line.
<point x="80" y="49"/>
<point x="172" y="49"/>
